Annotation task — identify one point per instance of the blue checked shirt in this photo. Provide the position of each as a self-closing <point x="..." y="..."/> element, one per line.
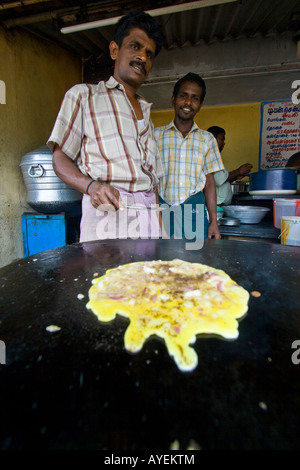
<point x="186" y="161"/>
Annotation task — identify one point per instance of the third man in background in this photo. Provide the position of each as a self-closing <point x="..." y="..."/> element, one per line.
<point x="223" y="178"/>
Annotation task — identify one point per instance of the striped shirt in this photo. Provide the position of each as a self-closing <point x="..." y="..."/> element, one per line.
<point x="186" y="161"/>
<point x="97" y="127"/>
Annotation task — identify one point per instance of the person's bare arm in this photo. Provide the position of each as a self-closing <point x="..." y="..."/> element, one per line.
<point x="211" y="204"/>
<point x="239" y="173"/>
<point x="159" y="215"/>
<point x="100" y="193"/>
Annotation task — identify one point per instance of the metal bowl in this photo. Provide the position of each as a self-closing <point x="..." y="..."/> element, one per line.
<point x="246" y="214"/>
<point x="240" y="187"/>
<point x="229" y="221"/>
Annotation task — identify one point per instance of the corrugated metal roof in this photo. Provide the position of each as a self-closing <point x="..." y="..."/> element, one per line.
<point x="223" y="22"/>
<point x="230" y="21"/>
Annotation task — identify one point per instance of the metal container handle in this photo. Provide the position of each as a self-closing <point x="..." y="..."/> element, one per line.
<point x="38" y="175"/>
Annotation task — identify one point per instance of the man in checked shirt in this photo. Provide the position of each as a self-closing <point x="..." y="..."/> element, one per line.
<point x="190" y="156"/>
<point x="106" y="129"/>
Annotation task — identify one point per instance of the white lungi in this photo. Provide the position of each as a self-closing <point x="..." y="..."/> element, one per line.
<point x="100" y="224"/>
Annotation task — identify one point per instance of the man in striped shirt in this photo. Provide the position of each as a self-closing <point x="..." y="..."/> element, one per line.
<point x="106" y="129"/>
<point x="190" y="156"/>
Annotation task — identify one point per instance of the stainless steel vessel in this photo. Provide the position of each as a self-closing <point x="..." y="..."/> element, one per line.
<point x="46" y="192"/>
<point x="246" y="214"/>
<point x="240" y="187"/>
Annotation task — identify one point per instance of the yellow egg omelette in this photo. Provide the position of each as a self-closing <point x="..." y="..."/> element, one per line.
<point x="175" y="300"/>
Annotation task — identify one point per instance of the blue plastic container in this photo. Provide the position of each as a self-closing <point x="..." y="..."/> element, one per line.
<point x="43" y="232"/>
<point x="273" y="180"/>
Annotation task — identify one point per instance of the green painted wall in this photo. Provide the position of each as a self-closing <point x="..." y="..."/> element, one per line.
<point x="36" y="75"/>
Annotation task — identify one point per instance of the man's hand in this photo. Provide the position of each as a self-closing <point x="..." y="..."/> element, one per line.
<point x="100" y="193"/>
<point x="213" y="230"/>
<point x="239" y="173"/>
<point x="104" y="195"/>
<point x="211" y="204"/>
<point x="244" y="169"/>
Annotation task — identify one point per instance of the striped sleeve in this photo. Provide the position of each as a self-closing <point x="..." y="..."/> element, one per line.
<point x="159" y="167"/>
<point x="67" y="130"/>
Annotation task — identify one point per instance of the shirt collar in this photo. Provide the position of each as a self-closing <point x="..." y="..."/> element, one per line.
<point x="113" y="83"/>
<point x="172" y="126"/>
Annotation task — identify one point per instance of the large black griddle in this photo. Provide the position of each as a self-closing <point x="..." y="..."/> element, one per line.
<point x="80" y="389"/>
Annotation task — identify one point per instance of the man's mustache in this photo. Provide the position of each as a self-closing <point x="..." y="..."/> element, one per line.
<point x="139" y="64"/>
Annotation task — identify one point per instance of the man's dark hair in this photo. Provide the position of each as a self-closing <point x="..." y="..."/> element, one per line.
<point x="216" y="130"/>
<point x="294" y="161"/>
<point x="141" y="20"/>
<point x="190" y="77"/>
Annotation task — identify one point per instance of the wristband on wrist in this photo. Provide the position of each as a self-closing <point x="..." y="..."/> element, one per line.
<point x="87" y="188"/>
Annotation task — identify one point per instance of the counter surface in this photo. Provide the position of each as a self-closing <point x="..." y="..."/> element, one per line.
<point x="265" y="229"/>
<point x="261" y="230"/>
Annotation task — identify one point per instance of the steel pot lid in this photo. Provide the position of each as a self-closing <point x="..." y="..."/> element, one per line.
<point x="41" y="154"/>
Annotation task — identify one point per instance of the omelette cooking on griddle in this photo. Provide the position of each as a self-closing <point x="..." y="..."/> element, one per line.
<point x="174" y="300"/>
